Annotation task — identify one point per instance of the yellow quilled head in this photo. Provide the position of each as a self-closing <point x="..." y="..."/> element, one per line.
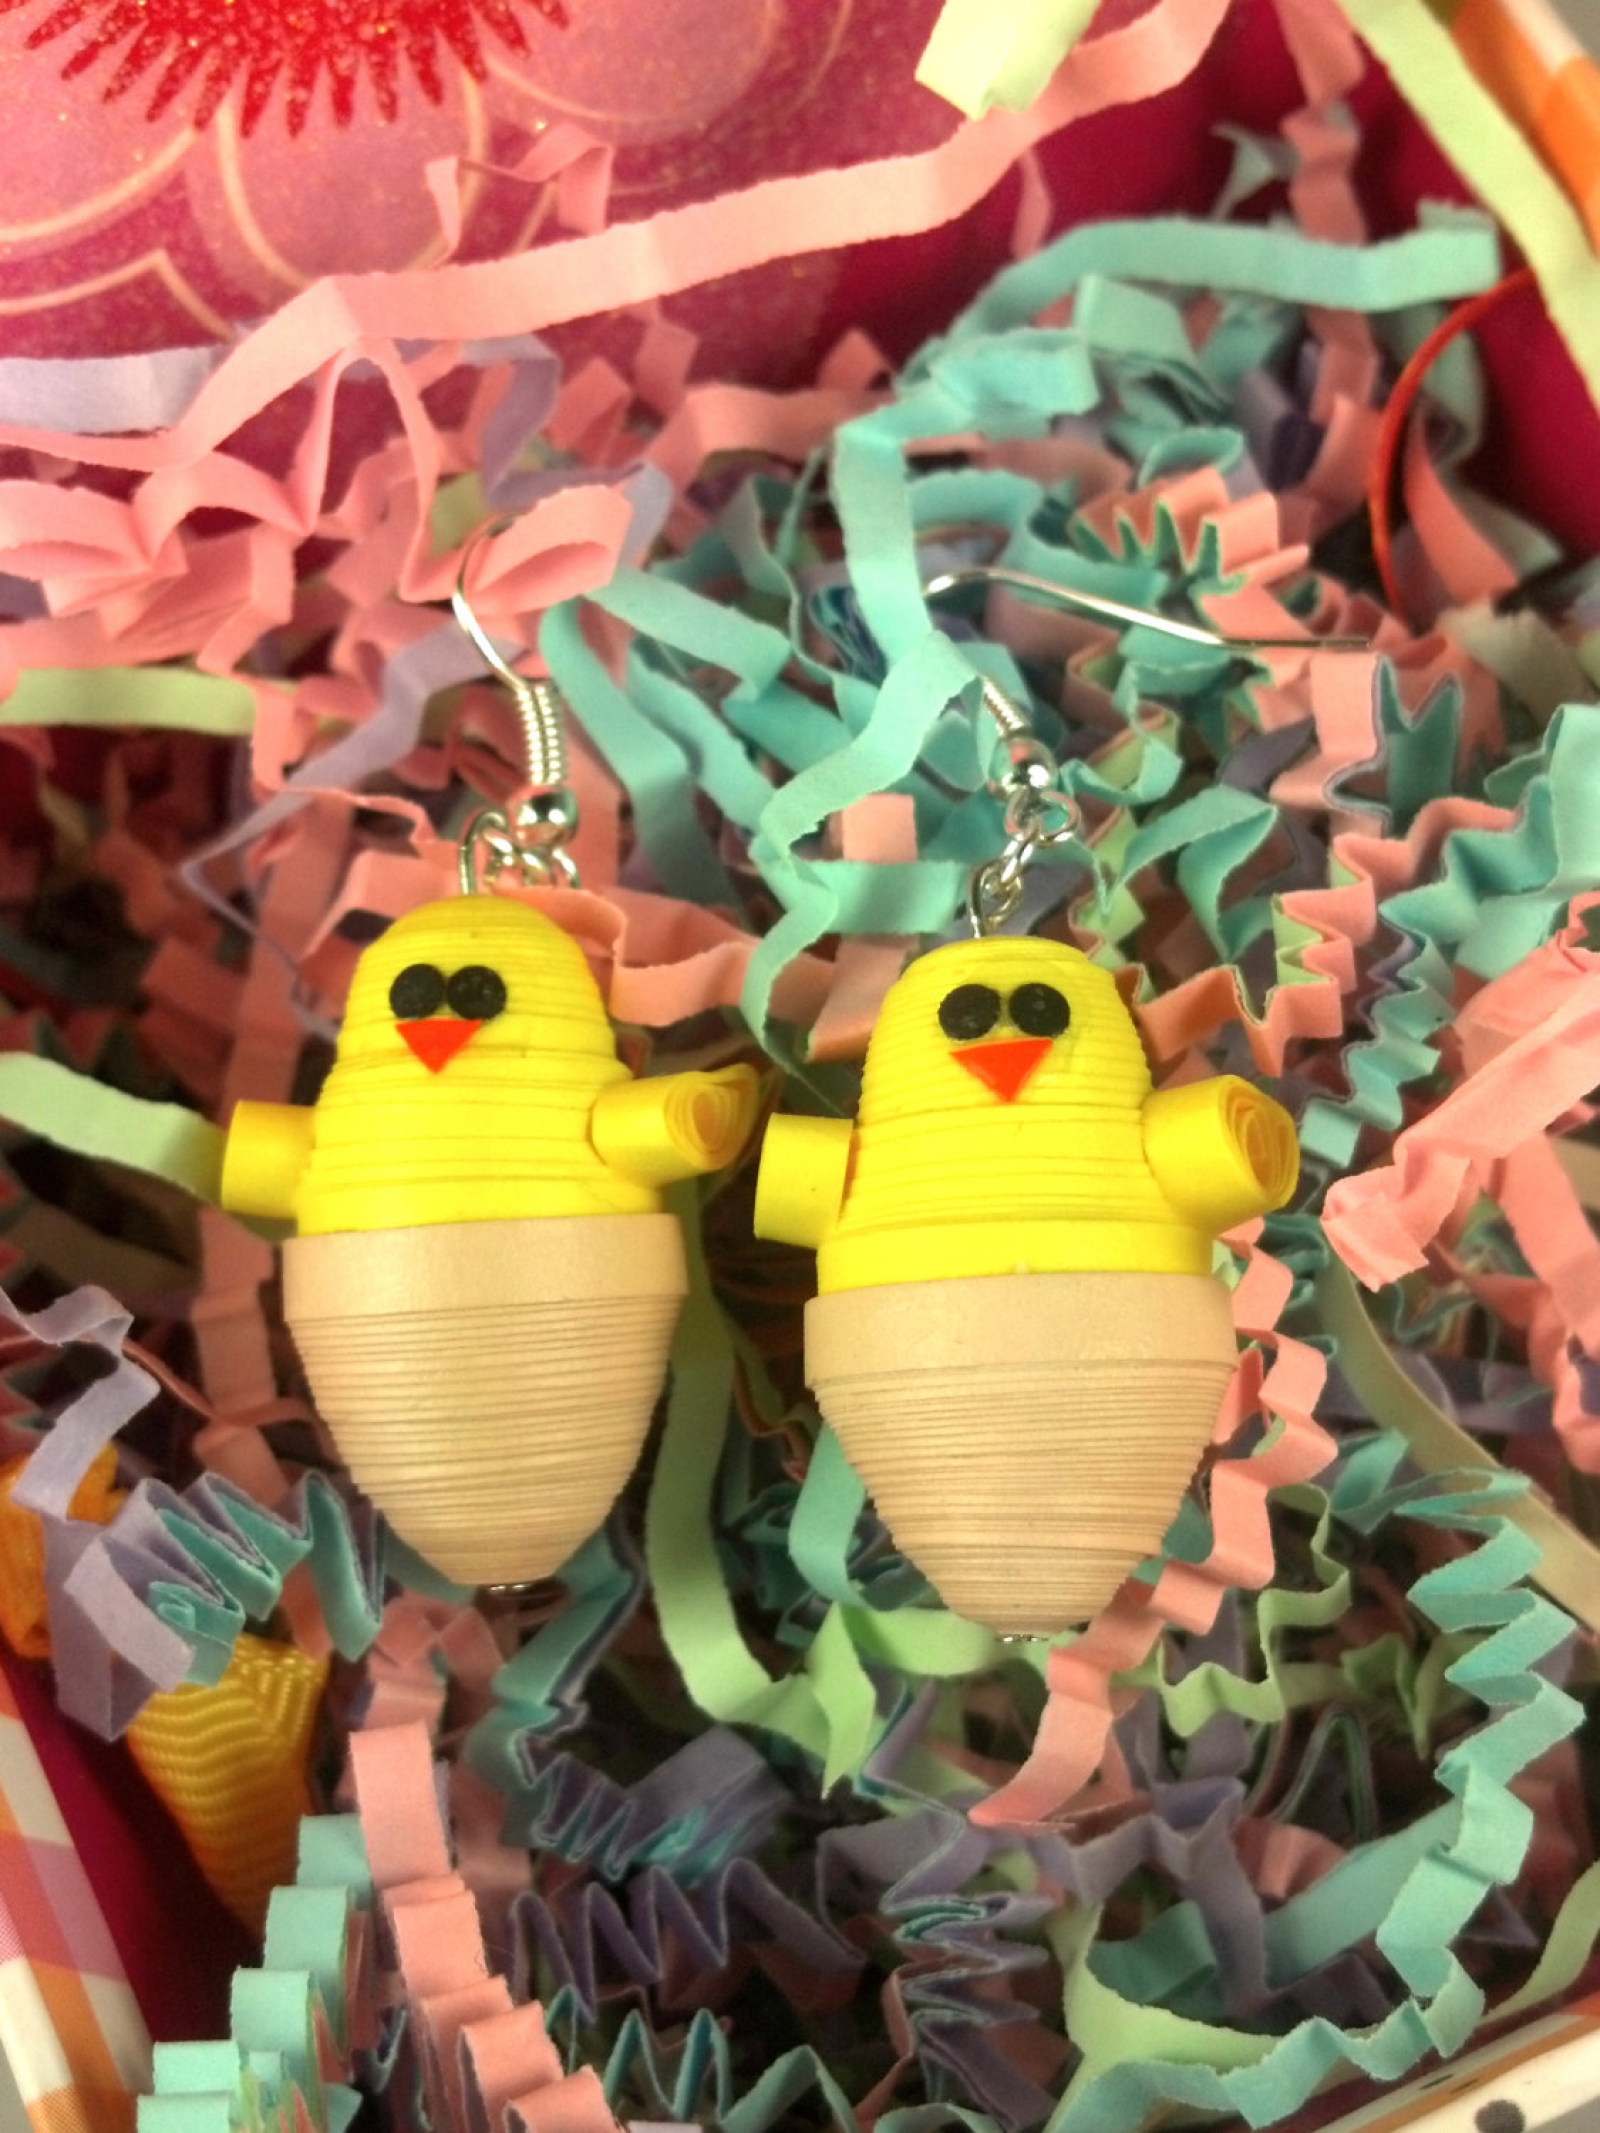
<point x="1002" y="1023"/>
<point x="472" y="979"/>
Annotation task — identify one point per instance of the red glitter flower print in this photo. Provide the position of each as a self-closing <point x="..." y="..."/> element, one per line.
<point x="291" y="40"/>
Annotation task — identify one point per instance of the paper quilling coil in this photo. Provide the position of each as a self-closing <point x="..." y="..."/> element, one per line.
<point x="1018" y="1338"/>
<point x="1026" y="1437"/>
<point x="485" y="1284"/>
<point x="489" y="1383"/>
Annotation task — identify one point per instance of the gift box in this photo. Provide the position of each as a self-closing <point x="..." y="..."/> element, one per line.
<point x="687" y="348"/>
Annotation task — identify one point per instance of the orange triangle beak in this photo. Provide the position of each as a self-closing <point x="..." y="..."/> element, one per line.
<point x="436" y="1042"/>
<point x="1007" y="1067"/>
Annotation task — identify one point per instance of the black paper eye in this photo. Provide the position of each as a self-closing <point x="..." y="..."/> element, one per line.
<point x="477" y="993"/>
<point x="417" y="993"/>
<point x="1039" y="1010"/>
<point x="970" y="1011"/>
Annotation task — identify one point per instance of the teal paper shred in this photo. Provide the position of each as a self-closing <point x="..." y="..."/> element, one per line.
<point x="182" y="2113"/>
<point x="239" y="1554"/>
<point x="1496" y="895"/>
<point x="248" y="1574"/>
<point x="265" y="2075"/>
<point x="916" y="689"/>
<point x="1120" y="361"/>
<point x="752" y="651"/>
<point x="787" y="726"/>
<point x="342" y="2105"/>
<point x="1447" y="1861"/>
<point x="194" y="2088"/>
<point x="830" y="1501"/>
<point x="1190" y="448"/>
<point x="1172" y="1963"/>
<point x="272" y="2022"/>
<point x="722" y="769"/>
<point x="306" y="1927"/>
<point x="1443" y="1865"/>
<point x="1122" y="320"/>
<point x="652" y="765"/>
<point x="1456" y="259"/>
<point x="333" y="1854"/>
<point x="189" y="2069"/>
<point x="536" y="1690"/>
<point x="1501" y="892"/>
<point x="694" y="2082"/>
<point x="994" y="374"/>
<point x="1420" y="753"/>
<point x="210" y="1628"/>
<point x="1212" y="836"/>
<point x="1401" y="1053"/>
<point x="408" y="1568"/>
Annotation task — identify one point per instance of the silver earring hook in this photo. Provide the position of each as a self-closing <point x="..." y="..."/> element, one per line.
<point x="534" y="842"/>
<point x="1025" y="777"/>
<point x="1107" y="610"/>
<point x="1039" y="815"/>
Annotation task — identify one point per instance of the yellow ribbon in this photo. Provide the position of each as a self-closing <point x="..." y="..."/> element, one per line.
<point x="227" y="1762"/>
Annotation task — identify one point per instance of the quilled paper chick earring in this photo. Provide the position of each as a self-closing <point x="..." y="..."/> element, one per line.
<point x="1018" y="1338"/>
<point x="483" y="1285"/>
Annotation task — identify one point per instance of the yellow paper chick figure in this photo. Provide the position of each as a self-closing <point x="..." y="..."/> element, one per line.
<point x="484" y="1283"/>
<point x="1008" y="1126"/>
<point x="1017" y="1336"/>
<point x="476" y="1080"/>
